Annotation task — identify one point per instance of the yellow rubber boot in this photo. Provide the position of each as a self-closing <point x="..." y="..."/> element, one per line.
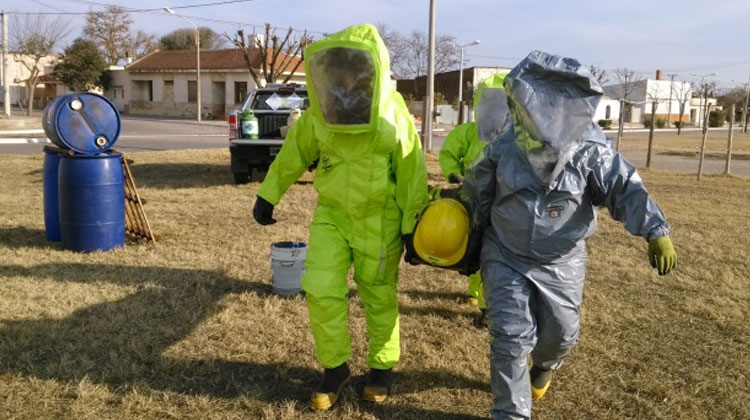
<point x="540" y="380"/>
<point x="378" y="385"/>
<point x="330" y="387"/>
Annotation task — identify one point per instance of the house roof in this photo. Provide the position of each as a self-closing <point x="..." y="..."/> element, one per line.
<point x="230" y="59"/>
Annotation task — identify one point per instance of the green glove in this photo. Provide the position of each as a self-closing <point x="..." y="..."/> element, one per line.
<point x="661" y="254"/>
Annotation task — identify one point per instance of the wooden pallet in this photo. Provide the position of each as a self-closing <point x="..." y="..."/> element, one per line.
<point x="136" y="222"/>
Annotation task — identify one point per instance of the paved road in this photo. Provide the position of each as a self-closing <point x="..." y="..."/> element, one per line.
<point x="138" y="135"/>
<point x="148" y="134"/>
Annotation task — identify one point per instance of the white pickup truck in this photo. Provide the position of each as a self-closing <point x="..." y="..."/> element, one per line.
<point x="272" y="105"/>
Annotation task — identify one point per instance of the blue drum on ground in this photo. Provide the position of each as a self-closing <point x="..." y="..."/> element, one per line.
<point x="49" y="183"/>
<point x="92" y="202"/>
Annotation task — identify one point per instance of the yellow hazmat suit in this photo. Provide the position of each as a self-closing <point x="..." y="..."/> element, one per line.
<point x="372" y="185"/>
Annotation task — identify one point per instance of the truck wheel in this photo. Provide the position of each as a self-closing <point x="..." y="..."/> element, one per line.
<point x="241" y="177"/>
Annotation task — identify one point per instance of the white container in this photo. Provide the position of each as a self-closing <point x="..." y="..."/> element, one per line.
<point x="288" y="266"/>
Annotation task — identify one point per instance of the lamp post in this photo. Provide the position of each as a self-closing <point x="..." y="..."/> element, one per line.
<point x="197" y="54"/>
<point x="703" y="97"/>
<point x="461" y="71"/>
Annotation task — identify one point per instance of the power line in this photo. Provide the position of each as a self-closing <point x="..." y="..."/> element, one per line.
<point x="128" y="9"/>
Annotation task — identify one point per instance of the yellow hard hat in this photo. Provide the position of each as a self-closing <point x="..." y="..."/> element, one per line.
<point x="442" y="233"/>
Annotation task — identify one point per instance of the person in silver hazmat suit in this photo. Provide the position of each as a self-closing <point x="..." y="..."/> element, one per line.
<point x="533" y="198"/>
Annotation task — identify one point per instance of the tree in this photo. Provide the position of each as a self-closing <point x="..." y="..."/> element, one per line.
<point x="34" y="37"/>
<point x="184" y="39"/>
<point x="395" y="44"/>
<point x="628" y="81"/>
<point x="110" y="31"/>
<point x="683" y="93"/>
<point x="81" y="66"/>
<point x="414" y="63"/>
<point x="599" y="74"/>
<point x="270" y="47"/>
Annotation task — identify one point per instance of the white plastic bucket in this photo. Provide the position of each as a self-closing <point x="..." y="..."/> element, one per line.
<point x="288" y="266"/>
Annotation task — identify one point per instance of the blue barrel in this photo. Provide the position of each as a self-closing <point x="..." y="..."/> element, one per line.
<point x="92" y="202"/>
<point x="49" y="182"/>
<point x="84" y="122"/>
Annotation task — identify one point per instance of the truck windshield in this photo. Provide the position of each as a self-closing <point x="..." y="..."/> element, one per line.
<point x="280" y="100"/>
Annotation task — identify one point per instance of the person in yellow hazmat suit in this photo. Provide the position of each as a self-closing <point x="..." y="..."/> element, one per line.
<point x="372" y="184"/>
<point x="464" y="145"/>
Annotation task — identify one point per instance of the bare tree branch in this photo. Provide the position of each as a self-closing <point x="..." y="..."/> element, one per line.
<point x="628" y="81"/>
<point x="599" y="74"/>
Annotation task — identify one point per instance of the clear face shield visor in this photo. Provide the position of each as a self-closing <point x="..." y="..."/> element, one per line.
<point x="493" y="114"/>
<point x="344" y="83"/>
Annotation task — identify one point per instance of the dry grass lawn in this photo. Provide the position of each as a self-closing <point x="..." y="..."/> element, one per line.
<point x="689" y="143"/>
<point x="188" y="329"/>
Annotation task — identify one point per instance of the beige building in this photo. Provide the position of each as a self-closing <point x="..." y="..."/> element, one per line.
<point x="164" y="83"/>
<point x="18" y="73"/>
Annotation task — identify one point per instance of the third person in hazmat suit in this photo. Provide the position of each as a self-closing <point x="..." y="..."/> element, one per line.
<point x="464" y="145"/>
<point x="372" y="185"/>
<point x="534" y="197"/>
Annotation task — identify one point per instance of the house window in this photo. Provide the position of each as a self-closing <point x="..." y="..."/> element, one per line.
<point x="192" y="91"/>
<point x="143" y="90"/>
<point x="607" y="112"/>
<point x="240" y="91"/>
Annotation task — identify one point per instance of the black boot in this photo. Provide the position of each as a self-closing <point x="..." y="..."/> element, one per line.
<point x="540" y="380"/>
<point x="378" y="385"/>
<point x="328" y="391"/>
<point x="480" y="321"/>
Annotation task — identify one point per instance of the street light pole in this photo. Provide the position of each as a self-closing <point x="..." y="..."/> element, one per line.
<point x="429" y="97"/>
<point x="671" y="86"/>
<point x="197" y="56"/>
<point x="461" y="71"/>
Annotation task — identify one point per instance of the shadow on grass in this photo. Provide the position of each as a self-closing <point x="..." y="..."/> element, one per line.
<point x="435" y="294"/>
<point x="22" y="237"/>
<point x="122" y="343"/>
<point x="169" y="175"/>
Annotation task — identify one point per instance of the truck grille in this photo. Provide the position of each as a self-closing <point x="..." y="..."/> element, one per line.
<point x="269" y="125"/>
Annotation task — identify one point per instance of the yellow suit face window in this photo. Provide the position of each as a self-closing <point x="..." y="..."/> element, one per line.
<point x="344" y="82"/>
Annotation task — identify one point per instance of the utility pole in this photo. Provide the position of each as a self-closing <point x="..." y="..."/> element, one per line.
<point x="429" y="97"/>
<point x="654" y="104"/>
<point x="6" y="79"/>
<point x="703" y="140"/>
<point x="744" y="111"/>
<point x="671" y="87"/>
<point x="727" y="166"/>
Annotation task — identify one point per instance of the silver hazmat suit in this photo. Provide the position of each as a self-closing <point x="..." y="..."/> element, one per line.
<point x="535" y="216"/>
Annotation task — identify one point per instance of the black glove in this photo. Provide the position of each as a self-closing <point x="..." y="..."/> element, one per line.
<point x="263" y="212"/>
<point x="410" y="255"/>
<point x="470" y="263"/>
<point x="455" y="178"/>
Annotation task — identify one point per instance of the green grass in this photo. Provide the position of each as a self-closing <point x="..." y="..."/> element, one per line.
<point x="188" y="328"/>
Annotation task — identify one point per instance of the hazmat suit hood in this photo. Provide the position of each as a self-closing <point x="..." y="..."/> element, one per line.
<point x="552" y="101"/>
<point x="491" y="110"/>
<point x="348" y="74"/>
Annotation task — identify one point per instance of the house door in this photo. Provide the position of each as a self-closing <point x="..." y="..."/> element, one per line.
<point x="628" y="114"/>
<point x="218" y="99"/>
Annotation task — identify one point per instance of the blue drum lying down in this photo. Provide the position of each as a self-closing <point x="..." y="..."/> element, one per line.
<point x="84" y="122"/>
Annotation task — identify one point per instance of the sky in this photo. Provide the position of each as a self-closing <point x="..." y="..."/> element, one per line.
<point x="684" y="37"/>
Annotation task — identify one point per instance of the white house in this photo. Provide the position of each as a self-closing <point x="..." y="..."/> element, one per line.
<point x="668" y="95"/>
<point x="608" y="109"/>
